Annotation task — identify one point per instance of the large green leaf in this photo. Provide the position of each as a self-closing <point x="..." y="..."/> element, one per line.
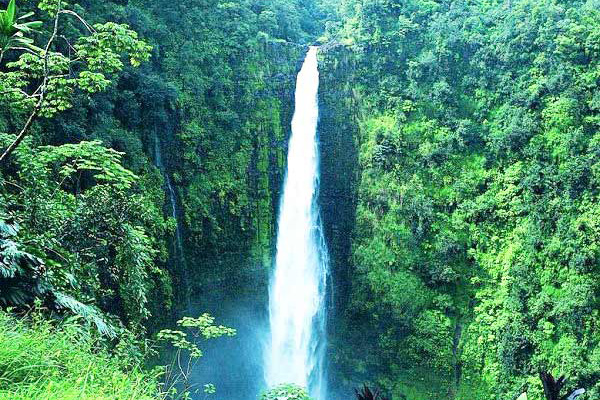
<point x="29" y="26"/>
<point x="89" y="313"/>
<point x="6" y="26"/>
<point x="12" y="34"/>
<point x="29" y="14"/>
<point x="11" y="11"/>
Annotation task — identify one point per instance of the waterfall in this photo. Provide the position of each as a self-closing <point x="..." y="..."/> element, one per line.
<point x="179" y="255"/>
<point x="297" y="291"/>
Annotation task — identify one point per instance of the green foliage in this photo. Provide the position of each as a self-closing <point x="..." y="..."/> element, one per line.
<point x="473" y="248"/>
<point x="109" y="252"/>
<point x="102" y="49"/>
<point x="86" y="67"/>
<point x="44" y="360"/>
<point x="52" y="7"/>
<point x="177" y="375"/>
<point x="72" y="160"/>
<point x="16" y="265"/>
<point x="24" y="279"/>
<point x="202" y="326"/>
<point x="286" y="391"/>
<point x="13" y="32"/>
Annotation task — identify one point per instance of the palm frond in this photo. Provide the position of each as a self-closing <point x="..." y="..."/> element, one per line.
<point x="11" y="10"/>
<point x="553" y="387"/>
<point x="89" y="313"/>
<point x="22" y="280"/>
<point x="14" y="261"/>
<point x="365" y="393"/>
<point x="13" y="295"/>
<point x="29" y="14"/>
<point x="7" y="229"/>
<point x="28" y="27"/>
<point x="12" y="32"/>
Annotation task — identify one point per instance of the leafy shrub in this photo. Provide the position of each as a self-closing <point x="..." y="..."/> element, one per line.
<point x="286" y="391"/>
<point x="176" y="380"/>
<point x="62" y="361"/>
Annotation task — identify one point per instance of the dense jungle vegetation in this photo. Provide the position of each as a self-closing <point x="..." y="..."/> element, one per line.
<point x="475" y="253"/>
<point x="143" y="151"/>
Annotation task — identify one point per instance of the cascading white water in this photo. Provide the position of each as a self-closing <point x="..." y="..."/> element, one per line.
<point x="173" y="200"/>
<point x="297" y="292"/>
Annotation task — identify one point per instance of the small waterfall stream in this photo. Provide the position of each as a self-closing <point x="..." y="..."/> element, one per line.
<point x="297" y="292"/>
<point x="178" y="242"/>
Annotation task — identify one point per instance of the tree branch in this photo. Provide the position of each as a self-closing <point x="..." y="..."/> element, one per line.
<point x="24" y="131"/>
<point x="83" y="21"/>
<point x="38" y="106"/>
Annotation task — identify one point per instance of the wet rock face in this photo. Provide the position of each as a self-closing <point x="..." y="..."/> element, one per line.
<point x="338" y="141"/>
<point x="338" y="146"/>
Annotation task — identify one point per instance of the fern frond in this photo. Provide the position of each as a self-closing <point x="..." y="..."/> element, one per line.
<point x="89" y="313"/>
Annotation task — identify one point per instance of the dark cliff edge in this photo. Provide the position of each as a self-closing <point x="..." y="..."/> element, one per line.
<point x="232" y="272"/>
<point x="338" y="145"/>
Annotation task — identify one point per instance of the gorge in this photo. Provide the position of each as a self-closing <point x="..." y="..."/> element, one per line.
<point x="414" y="205"/>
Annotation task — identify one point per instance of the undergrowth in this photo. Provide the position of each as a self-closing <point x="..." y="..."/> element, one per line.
<point x="41" y="359"/>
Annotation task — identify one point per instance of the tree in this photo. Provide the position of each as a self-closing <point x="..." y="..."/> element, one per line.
<point x="54" y="74"/>
<point x="177" y="376"/>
